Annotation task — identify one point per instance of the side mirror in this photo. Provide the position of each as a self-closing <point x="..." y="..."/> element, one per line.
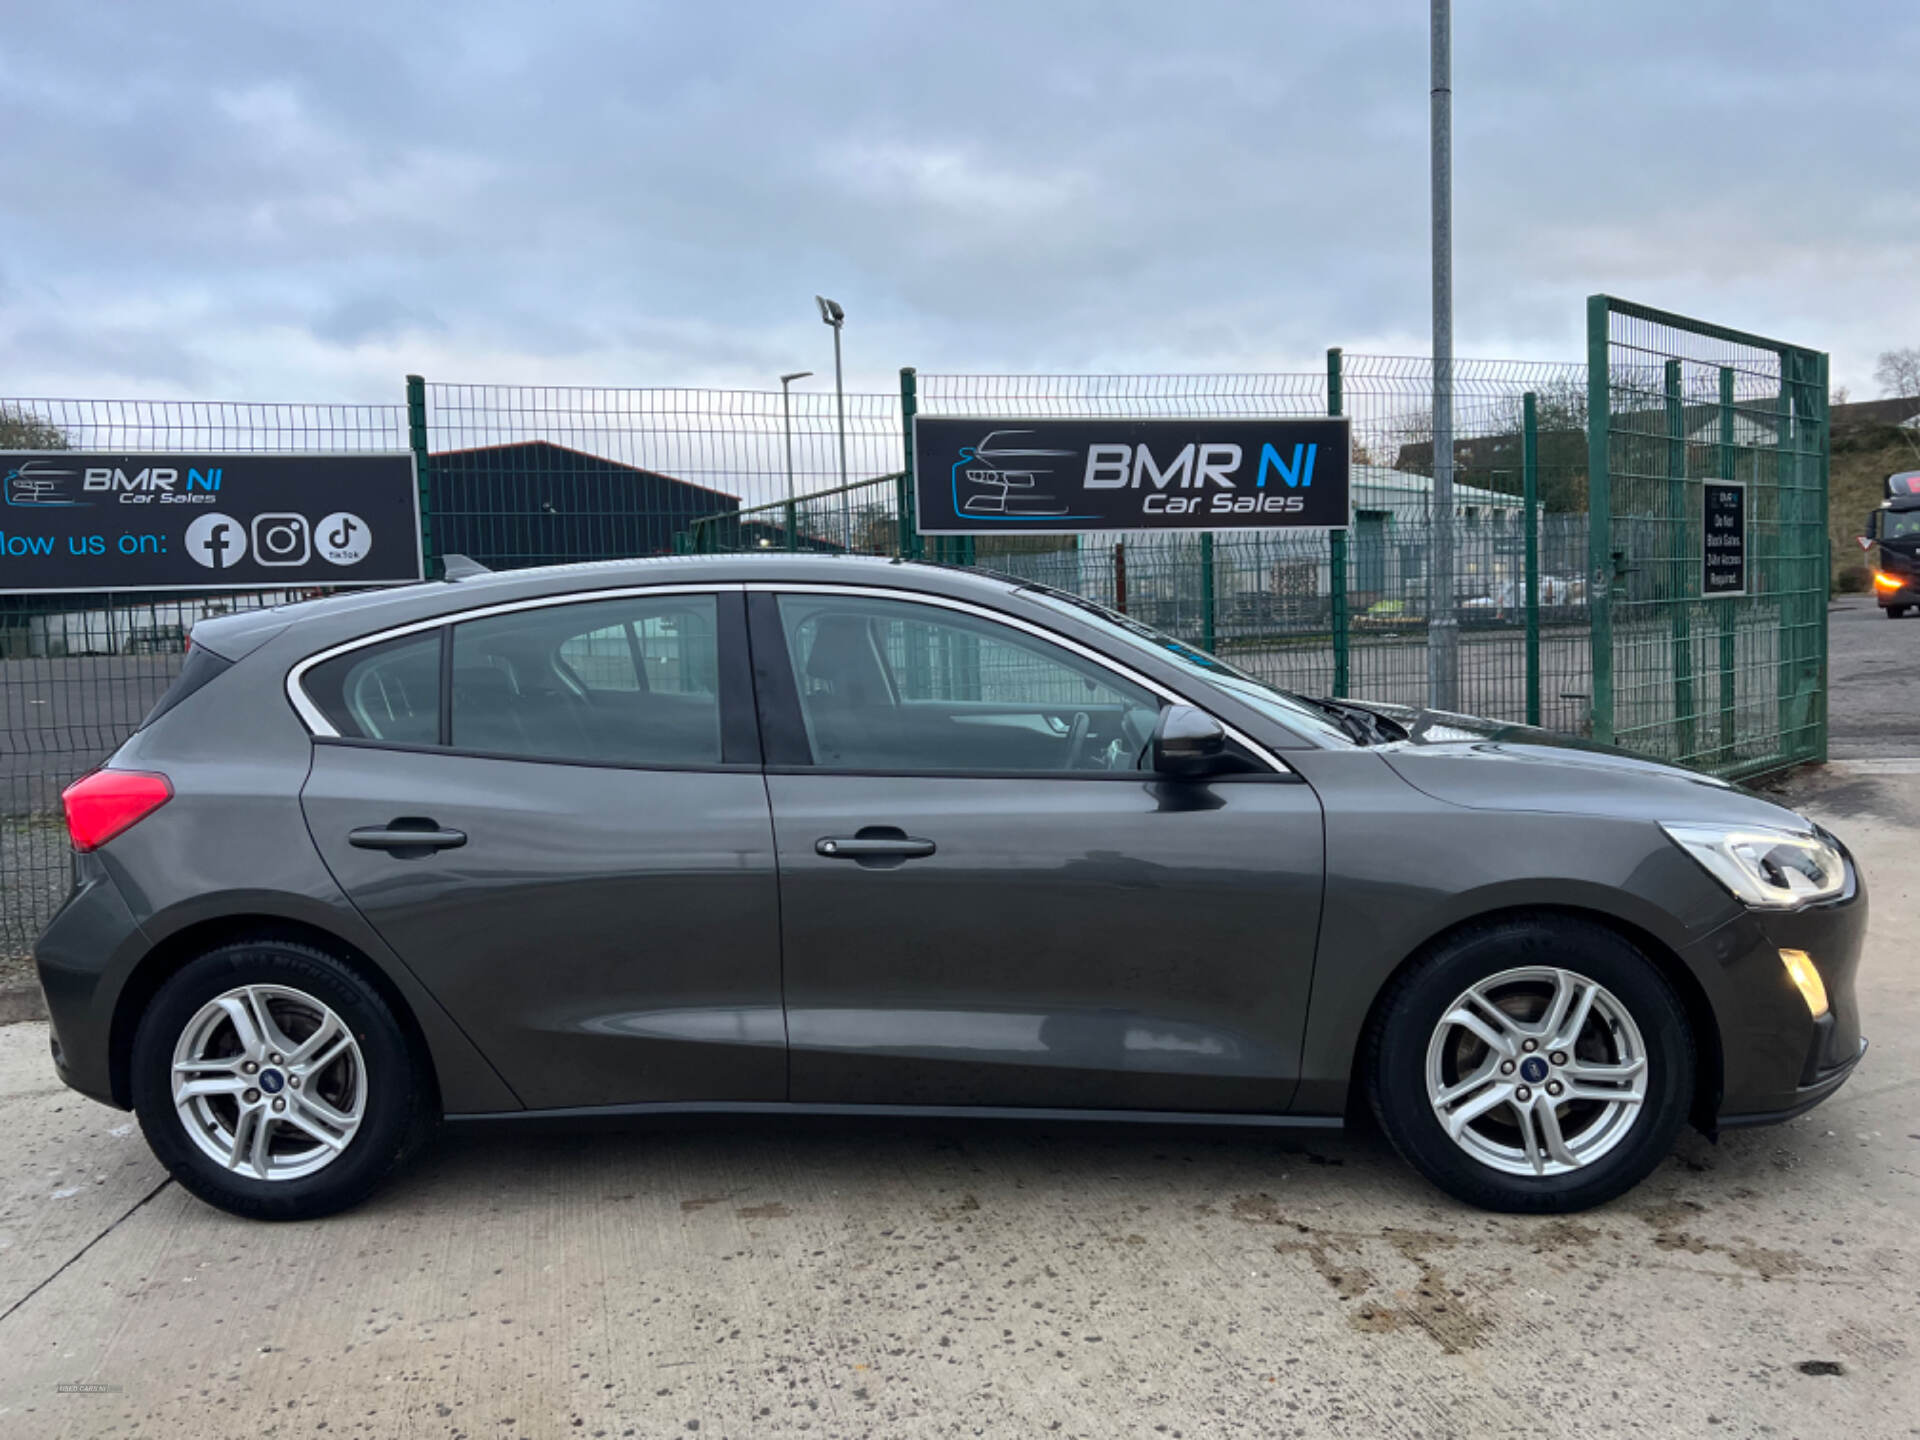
<point x="1189" y="744"/>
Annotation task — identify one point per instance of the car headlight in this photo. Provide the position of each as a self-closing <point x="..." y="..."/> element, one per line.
<point x="1767" y="869"/>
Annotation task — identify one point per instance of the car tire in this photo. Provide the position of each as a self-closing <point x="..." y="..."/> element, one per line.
<point x="1612" y="1124"/>
<point x="1896" y="612"/>
<point x="325" y="1126"/>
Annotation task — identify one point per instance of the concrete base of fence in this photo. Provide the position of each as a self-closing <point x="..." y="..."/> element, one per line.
<point x="22" y="1002"/>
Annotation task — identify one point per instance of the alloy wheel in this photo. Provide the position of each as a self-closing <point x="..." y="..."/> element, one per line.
<point x="269" y="1082"/>
<point x="1536" y="1071"/>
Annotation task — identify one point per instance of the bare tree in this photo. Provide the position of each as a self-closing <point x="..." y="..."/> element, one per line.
<point x="1898" y="371"/>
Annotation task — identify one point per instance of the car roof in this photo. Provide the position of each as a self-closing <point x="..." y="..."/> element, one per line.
<point x="359" y="611"/>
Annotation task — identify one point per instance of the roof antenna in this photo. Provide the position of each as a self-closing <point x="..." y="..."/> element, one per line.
<point x="461" y="567"/>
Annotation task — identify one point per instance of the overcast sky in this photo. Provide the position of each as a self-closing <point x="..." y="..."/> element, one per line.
<point x="269" y="201"/>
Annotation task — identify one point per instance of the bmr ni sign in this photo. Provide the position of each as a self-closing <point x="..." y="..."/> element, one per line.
<point x="995" y="476"/>
<point x="88" y="520"/>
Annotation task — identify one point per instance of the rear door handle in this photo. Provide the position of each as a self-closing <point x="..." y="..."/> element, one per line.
<point x="870" y="847"/>
<point x="401" y="836"/>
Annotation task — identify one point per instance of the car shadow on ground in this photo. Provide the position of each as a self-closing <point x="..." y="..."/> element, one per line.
<point x="866" y="1170"/>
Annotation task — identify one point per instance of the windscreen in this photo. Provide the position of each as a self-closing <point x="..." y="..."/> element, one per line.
<point x="1271" y="701"/>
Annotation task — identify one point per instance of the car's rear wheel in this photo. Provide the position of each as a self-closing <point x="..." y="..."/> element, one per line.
<point x="1533" y="1064"/>
<point x="1896" y="612"/>
<point x="273" y="1081"/>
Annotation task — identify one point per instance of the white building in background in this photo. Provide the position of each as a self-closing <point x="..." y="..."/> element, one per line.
<point x="1264" y="575"/>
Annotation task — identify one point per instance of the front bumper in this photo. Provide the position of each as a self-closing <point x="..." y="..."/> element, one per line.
<point x="1805" y="1098"/>
<point x="1777" y="1058"/>
<point x="1908" y="593"/>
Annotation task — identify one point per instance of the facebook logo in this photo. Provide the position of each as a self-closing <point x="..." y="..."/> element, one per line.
<point x="217" y="542"/>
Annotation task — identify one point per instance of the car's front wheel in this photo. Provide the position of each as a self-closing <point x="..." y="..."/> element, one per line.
<point x="1533" y="1064"/>
<point x="273" y="1081"/>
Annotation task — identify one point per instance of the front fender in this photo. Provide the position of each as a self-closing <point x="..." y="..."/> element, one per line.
<point x="1404" y="869"/>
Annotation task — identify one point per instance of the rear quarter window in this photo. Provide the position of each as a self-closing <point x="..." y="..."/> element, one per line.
<point x="389" y="691"/>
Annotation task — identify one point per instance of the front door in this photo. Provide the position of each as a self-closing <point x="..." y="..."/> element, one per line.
<point x="985" y="900"/>
<point x="570" y="842"/>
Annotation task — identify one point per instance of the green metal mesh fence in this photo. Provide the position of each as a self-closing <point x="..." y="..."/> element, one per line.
<point x="527" y="475"/>
<point x="77" y="672"/>
<point x="1269" y="601"/>
<point x="1733" y="684"/>
<point x="535" y="475"/>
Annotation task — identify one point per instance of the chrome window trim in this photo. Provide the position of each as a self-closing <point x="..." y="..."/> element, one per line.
<point x="319" y="725"/>
<point x="1052" y="637"/>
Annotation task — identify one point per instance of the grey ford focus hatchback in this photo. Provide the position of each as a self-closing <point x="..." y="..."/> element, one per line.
<point x="804" y="834"/>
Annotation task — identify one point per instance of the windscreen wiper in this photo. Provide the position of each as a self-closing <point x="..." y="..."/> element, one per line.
<point x="1369" y="727"/>
<point x="1353" y="721"/>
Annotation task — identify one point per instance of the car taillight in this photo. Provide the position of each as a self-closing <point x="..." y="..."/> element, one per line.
<point x="1886" y="581"/>
<point x="101" y="805"/>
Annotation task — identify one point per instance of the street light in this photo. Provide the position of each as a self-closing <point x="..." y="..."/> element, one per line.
<point x="832" y="314"/>
<point x="1443" y="631"/>
<point x="786" y="413"/>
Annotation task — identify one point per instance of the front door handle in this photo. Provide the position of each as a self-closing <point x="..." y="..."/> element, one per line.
<point x="419" y="836"/>
<point x="873" y="847"/>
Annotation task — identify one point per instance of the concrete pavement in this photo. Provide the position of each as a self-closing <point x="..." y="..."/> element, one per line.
<point x="1873" y="667"/>
<point x="832" y="1280"/>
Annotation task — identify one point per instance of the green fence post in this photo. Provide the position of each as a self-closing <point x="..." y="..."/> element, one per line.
<point x="1530" y="503"/>
<point x="1206" y="590"/>
<point x="1825" y="551"/>
<point x="1337" y="549"/>
<point x="422" y="470"/>
<point x="1599" y="518"/>
<point x="1678" y="584"/>
<point x="1726" y="607"/>
<point x="910" y="543"/>
<point x="1786" y="566"/>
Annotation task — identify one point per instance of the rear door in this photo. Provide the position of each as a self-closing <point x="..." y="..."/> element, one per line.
<point x="986" y="900"/>
<point x="555" y="814"/>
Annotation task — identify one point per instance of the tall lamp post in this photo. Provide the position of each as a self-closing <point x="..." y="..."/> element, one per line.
<point x="1443" y="630"/>
<point x="786" y="416"/>
<point x="831" y="314"/>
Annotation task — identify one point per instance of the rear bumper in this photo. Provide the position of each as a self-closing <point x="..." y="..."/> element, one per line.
<point x="88" y="941"/>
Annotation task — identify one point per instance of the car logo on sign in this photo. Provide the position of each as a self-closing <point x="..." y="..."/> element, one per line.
<point x="36" y="485"/>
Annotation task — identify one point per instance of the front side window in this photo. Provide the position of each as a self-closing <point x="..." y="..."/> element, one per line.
<point x="389" y="691"/>
<point x="633" y="681"/>
<point x="897" y="686"/>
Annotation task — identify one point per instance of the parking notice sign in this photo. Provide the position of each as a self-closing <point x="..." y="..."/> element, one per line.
<point x="1723" y="532"/>
<point x="97" y="520"/>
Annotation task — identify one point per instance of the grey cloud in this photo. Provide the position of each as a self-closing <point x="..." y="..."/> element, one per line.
<point x="372" y="317"/>
<point x="658" y="190"/>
